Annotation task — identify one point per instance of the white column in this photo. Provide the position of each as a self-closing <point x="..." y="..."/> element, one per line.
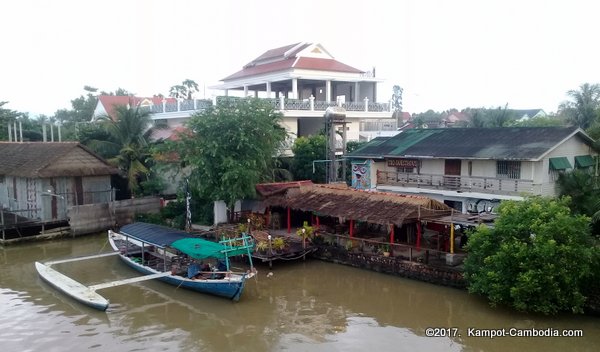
<point x="256" y="94"/>
<point x="281" y="102"/>
<point x="245" y="91"/>
<point x="366" y="104"/>
<point x="268" y="89"/>
<point x="15" y="131"/>
<point x="356" y="92"/>
<point x="226" y="92"/>
<point x="45" y="138"/>
<point x="328" y="91"/>
<point x="51" y="132"/>
<point x="312" y="102"/>
<point x="10" y="133"/>
<point x="294" y="88"/>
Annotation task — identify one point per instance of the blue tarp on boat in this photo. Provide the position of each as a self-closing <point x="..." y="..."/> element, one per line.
<point x="162" y="236"/>
<point x="157" y="235"/>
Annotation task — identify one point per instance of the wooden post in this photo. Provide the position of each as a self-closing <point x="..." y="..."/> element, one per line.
<point x="451" y="238"/>
<point x="451" y="233"/>
<point x="351" y="228"/>
<point x="268" y="218"/>
<point x="418" y="235"/>
<point x="289" y="220"/>
<point x="392" y="234"/>
<point x="317" y="221"/>
<point x="270" y="252"/>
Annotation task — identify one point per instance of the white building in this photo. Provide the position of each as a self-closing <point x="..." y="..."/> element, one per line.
<point x="473" y="169"/>
<point x="301" y="80"/>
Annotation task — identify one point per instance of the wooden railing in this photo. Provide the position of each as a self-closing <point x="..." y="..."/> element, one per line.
<point x="377" y="247"/>
<point x="459" y="183"/>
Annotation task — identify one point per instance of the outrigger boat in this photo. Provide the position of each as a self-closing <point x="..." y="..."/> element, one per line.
<point x="173" y="256"/>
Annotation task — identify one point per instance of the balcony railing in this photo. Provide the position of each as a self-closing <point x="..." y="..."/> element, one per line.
<point x="458" y="183"/>
<point x="280" y="103"/>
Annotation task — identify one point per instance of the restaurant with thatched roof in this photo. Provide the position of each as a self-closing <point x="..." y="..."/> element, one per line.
<point x="344" y="210"/>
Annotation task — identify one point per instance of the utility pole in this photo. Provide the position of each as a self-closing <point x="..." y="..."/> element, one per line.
<point x="334" y="115"/>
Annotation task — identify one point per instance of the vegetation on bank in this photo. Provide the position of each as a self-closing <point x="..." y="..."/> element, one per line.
<point x="538" y="257"/>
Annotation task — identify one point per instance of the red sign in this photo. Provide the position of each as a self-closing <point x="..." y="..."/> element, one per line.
<point x="410" y="163"/>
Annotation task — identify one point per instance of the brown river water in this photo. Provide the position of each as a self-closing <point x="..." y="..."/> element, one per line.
<point x="303" y="306"/>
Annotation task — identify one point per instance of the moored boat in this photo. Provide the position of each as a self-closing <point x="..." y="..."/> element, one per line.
<point x="193" y="263"/>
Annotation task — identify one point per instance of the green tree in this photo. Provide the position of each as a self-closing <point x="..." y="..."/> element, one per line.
<point x="185" y="90"/>
<point x="582" y="187"/>
<point x="126" y="143"/>
<point x="232" y="148"/>
<point x="583" y="109"/>
<point x="536" y="258"/>
<point x="546" y="121"/>
<point x="499" y="117"/>
<point x="397" y="102"/>
<point x="7" y="117"/>
<point x="306" y="151"/>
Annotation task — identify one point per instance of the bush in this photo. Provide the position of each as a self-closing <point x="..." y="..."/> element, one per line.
<point x="536" y="258"/>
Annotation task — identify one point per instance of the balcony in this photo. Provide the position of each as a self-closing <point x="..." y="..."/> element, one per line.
<point x="281" y="104"/>
<point x="458" y="183"/>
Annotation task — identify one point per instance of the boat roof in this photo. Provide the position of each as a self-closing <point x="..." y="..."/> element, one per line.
<point x="157" y="235"/>
<point x="162" y="236"/>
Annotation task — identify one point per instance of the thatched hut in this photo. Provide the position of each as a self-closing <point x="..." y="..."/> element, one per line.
<point x="342" y="207"/>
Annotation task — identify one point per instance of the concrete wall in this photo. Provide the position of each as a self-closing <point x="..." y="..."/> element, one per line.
<point x="91" y="218"/>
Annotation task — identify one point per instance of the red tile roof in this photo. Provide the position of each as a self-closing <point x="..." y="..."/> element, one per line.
<point x="277" y="52"/>
<point x="110" y="101"/>
<point x="275" y="60"/>
<point x="264" y="68"/>
<point x="311" y="63"/>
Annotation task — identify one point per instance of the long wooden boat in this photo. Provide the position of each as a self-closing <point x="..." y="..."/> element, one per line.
<point x="162" y="253"/>
<point x="192" y="263"/>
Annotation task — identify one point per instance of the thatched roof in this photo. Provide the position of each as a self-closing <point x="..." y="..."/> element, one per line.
<point x="344" y="202"/>
<point x="51" y="159"/>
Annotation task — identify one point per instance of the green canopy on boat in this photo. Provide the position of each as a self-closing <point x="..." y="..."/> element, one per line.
<point x="202" y="249"/>
<point x="199" y="248"/>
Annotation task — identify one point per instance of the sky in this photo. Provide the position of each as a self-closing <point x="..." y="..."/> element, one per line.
<point x="445" y="54"/>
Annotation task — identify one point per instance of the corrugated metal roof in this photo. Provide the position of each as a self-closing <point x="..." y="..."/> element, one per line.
<point x="506" y="143"/>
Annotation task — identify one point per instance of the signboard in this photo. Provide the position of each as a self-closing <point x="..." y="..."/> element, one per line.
<point x="408" y="163"/>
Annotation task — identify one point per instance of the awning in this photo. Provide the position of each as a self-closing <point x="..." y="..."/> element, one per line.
<point x="560" y="163"/>
<point x="584" y="161"/>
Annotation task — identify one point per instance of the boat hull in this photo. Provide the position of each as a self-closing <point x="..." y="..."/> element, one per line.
<point x="71" y="288"/>
<point x="230" y="288"/>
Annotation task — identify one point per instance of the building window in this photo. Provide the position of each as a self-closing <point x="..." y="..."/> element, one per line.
<point x="508" y="169"/>
<point x="1" y="178"/>
<point x="558" y="166"/>
<point x="406" y="170"/>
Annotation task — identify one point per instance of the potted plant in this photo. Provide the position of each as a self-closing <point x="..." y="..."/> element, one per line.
<point x="385" y="250"/>
<point x="279" y="244"/>
<point x="262" y="246"/>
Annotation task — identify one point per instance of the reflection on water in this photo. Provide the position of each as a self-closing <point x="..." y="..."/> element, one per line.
<point x="304" y="306"/>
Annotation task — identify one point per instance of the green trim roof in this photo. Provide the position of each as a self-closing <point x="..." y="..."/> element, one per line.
<point x="502" y="143"/>
<point x="560" y="163"/>
<point x="582" y="161"/>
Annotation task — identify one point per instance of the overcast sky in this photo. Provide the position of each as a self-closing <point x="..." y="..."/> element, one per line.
<point x="445" y="54"/>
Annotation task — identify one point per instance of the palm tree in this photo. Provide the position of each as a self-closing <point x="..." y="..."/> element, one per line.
<point x="191" y="87"/>
<point x="583" y="110"/>
<point x="127" y="143"/>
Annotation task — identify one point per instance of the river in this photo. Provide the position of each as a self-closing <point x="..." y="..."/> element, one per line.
<point x="302" y="306"/>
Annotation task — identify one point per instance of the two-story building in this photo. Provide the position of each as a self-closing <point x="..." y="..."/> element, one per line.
<point x="300" y="80"/>
<point x="473" y="169"/>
